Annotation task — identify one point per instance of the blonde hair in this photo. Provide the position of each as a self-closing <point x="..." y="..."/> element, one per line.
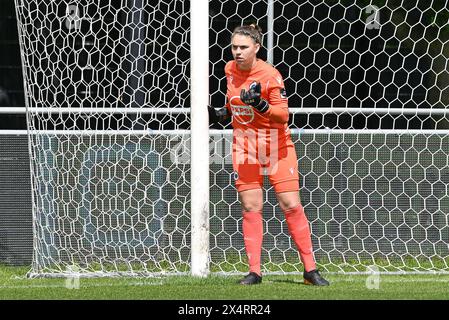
<point x="253" y="31"/>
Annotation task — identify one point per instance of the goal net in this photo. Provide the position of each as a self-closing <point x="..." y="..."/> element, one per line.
<point x="108" y="112"/>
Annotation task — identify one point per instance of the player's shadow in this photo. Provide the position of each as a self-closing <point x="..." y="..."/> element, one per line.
<point x="290" y="281"/>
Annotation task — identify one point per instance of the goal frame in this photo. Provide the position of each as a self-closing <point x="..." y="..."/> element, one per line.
<point x="200" y="253"/>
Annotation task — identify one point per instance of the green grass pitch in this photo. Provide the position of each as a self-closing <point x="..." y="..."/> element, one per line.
<point x="15" y="285"/>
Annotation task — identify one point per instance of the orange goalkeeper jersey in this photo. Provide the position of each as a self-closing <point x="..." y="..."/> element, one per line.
<point x="258" y="135"/>
<point x="246" y="117"/>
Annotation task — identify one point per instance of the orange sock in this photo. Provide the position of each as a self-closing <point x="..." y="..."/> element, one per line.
<point x="298" y="225"/>
<point x="252" y="236"/>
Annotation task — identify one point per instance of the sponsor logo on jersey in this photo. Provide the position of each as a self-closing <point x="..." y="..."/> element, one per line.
<point x="243" y="114"/>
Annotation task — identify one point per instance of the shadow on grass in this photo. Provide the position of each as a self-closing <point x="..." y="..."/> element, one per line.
<point x="288" y="281"/>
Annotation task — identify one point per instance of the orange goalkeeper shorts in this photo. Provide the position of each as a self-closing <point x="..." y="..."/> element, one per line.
<point x="283" y="175"/>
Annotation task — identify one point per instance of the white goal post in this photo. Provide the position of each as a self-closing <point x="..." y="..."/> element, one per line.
<point x="129" y="179"/>
<point x="199" y="48"/>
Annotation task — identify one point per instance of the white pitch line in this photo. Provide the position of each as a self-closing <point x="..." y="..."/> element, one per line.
<point x="363" y="278"/>
<point x="32" y="286"/>
<point x="384" y="279"/>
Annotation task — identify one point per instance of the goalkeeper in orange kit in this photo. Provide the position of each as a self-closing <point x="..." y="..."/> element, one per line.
<point x="262" y="146"/>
